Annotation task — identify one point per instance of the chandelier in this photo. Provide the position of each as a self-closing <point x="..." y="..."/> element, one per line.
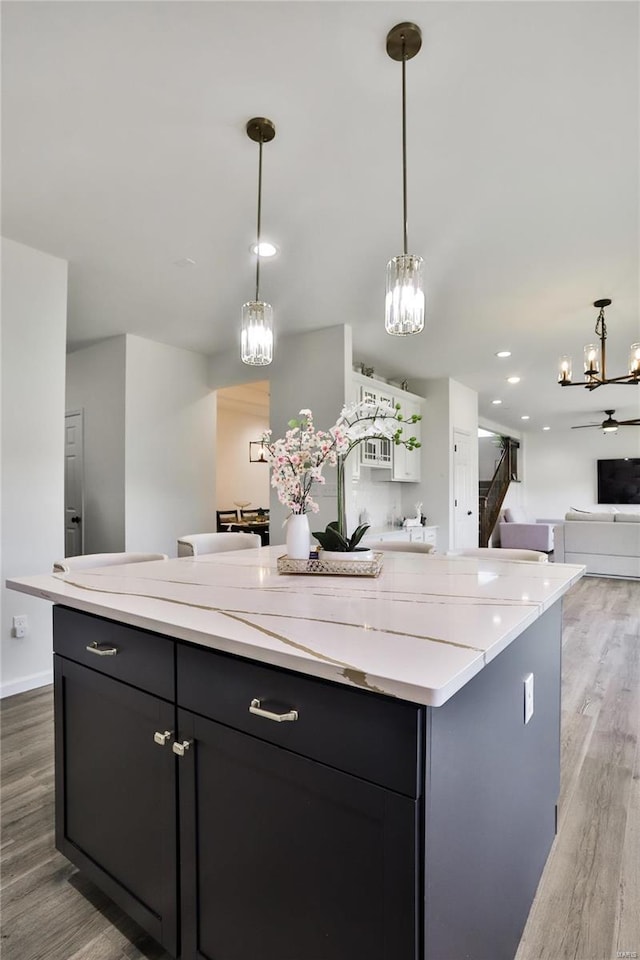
<point x="595" y="370"/>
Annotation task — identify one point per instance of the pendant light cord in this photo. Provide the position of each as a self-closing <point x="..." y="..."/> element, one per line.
<point x="259" y="213"/>
<point x="404" y="144"/>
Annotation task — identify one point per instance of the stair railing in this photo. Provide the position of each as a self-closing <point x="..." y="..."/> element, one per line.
<point x="491" y="502"/>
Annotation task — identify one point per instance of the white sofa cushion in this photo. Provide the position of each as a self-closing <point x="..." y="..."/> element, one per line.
<point x="597" y="517"/>
<point x="627" y="518"/>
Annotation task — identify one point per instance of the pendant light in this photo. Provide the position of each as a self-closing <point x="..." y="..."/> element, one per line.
<point x="257" y="316"/>
<point x="404" y="303"/>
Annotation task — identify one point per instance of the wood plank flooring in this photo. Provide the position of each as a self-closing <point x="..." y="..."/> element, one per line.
<point x="588" y="902"/>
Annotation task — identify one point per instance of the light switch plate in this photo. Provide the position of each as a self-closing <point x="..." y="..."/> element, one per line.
<point x="528" y="697"/>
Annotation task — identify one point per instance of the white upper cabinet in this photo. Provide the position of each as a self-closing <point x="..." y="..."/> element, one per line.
<point x="404" y="464"/>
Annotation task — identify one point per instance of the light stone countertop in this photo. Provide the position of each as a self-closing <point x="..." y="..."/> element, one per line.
<point x="419" y="631"/>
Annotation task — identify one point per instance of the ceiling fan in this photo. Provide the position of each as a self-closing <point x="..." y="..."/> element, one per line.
<point x="609" y="425"/>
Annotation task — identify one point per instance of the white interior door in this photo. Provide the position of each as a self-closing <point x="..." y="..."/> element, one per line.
<point x="73" y="484"/>
<point x="465" y="497"/>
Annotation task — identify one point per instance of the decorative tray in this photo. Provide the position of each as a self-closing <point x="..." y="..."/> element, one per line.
<point x="333" y="568"/>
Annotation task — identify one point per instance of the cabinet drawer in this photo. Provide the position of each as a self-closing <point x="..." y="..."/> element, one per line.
<point x="367" y="735"/>
<point x="143" y="659"/>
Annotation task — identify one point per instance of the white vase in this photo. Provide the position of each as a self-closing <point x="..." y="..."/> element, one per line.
<point x="298" y="536"/>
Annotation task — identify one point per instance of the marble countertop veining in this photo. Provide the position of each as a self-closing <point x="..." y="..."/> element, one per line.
<point x="419" y="632"/>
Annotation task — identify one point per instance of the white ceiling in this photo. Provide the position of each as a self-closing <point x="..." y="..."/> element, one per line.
<point x="124" y="151"/>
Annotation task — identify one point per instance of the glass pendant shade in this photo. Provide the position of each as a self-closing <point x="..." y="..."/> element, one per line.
<point x="404" y="303"/>
<point x="257" y="333"/>
<point x="634" y="360"/>
<point x="592" y="359"/>
<point x="564" y="369"/>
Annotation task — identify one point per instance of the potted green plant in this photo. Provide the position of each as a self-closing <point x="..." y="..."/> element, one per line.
<point x="334" y="545"/>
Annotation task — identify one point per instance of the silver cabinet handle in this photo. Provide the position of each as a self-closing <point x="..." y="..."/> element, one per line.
<point x="161" y="738"/>
<point x="181" y="748"/>
<point x="269" y="715"/>
<point x="101" y="650"/>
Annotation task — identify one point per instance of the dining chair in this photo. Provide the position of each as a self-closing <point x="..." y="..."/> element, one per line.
<point x="88" y="560"/>
<point x="196" y="544"/>
<point x="224" y="518"/>
<point x="401" y="546"/>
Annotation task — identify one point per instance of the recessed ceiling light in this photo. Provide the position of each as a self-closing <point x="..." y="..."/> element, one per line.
<point x="513" y="379"/>
<point x="503" y="353"/>
<point x="184" y="262"/>
<point x="496" y="402"/>
<point x="546" y="428"/>
<point x="525" y="416"/>
<point x="264" y="248"/>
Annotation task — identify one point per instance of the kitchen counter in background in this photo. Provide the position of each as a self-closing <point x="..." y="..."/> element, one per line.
<point x="417" y="534"/>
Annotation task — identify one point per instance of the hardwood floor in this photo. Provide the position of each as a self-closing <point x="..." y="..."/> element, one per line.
<point x="588" y="901"/>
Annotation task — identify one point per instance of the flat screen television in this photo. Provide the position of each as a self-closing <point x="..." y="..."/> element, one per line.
<point x="619" y="480"/>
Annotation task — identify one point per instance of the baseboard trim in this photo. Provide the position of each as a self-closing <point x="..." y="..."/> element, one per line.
<point x="26" y="683"/>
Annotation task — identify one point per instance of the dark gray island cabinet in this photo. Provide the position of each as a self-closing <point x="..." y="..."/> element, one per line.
<point x="238" y="810"/>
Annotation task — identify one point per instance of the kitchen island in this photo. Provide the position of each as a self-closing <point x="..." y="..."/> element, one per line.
<point x="310" y="768"/>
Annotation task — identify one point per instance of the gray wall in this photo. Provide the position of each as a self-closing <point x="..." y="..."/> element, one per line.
<point x="170" y="446"/>
<point x="96" y="385"/>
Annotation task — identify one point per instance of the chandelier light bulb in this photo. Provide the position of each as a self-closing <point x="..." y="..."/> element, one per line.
<point x="565" y="371"/>
<point x="592" y="359"/>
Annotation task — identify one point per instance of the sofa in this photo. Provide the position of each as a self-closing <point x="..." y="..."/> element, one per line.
<point x="607" y="543"/>
<point x="518" y="533"/>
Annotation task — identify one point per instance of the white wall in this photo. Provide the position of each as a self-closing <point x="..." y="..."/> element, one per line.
<point x="381" y="498"/>
<point x="560" y="468"/>
<point x="34" y="316"/>
<point x="449" y="406"/>
<point x="236" y="477"/>
<point x="169" y="446"/>
<point x="96" y="385"/>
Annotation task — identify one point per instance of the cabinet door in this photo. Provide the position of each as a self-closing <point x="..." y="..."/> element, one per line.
<point x="406" y="463"/>
<point x="284" y="858"/>
<point x="115" y="793"/>
<point x="376" y="452"/>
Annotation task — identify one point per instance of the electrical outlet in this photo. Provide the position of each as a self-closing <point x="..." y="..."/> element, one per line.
<point x="20" y="626"/>
<point x="528" y="697"/>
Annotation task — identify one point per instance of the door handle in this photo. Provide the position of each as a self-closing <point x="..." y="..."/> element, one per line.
<point x="469" y="513"/>
<point x="101" y="649"/>
<point x="255" y="708"/>
<point x="76" y="519"/>
<point x="181" y="748"/>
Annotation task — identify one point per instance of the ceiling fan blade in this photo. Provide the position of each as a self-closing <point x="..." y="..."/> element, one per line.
<point x="626" y="423"/>
<point x="584" y="426"/>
